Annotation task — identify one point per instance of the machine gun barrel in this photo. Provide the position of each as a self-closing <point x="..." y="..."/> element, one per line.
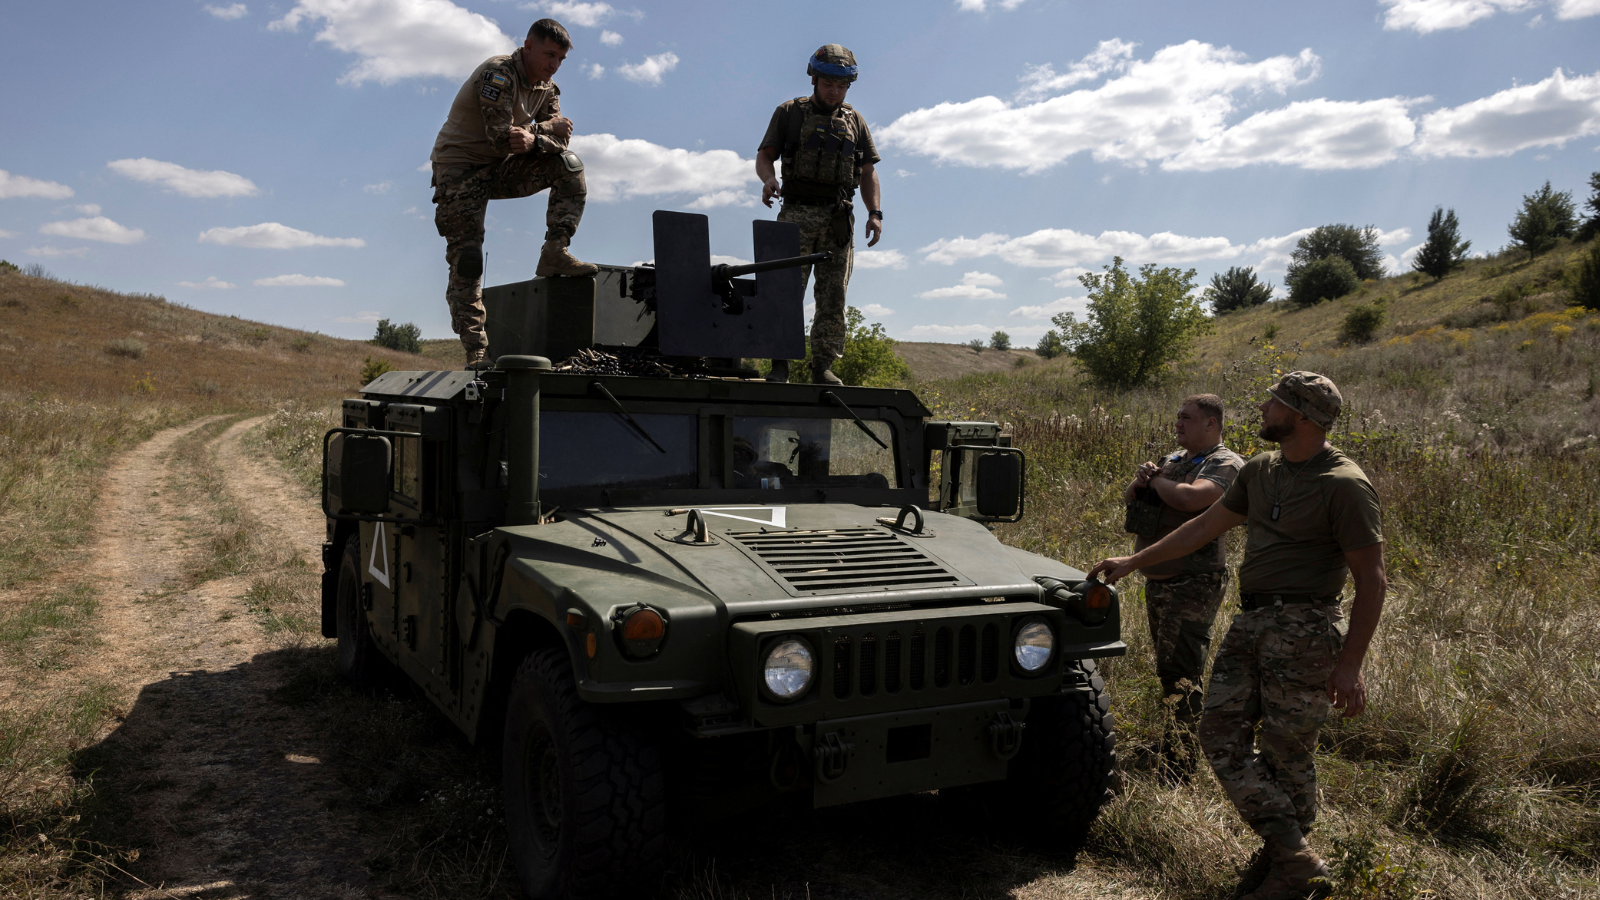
<point x="725" y="271"/>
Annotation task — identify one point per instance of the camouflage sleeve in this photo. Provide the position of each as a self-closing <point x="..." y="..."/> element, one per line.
<point x="495" y="94"/>
<point x="1222" y="468"/>
<point x="545" y="139"/>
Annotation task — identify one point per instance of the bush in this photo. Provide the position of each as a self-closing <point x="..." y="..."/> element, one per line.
<point x="1444" y="251"/>
<point x="1591" y="226"/>
<point x="1234" y="289"/>
<point x="976" y="344"/>
<point x="301" y="344"/>
<point x="372" y="368"/>
<point x="1586" y="285"/>
<point x="1050" y="345"/>
<point x="1362" y="322"/>
<point x="126" y="347"/>
<point x="869" y="357"/>
<point x="6" y="266"/>
<point x="1000" y="341"/>
<point x="406" y="338"/>
<point x="1546" y="217"/>
<point x="1357" y="246"/>
<point x="1136" y="326"/>
<point x="1325" y="279"/>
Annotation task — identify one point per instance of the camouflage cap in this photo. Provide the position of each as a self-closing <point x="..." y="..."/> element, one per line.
<point x="833" y="61"/>
<point x="1311" y="395"/>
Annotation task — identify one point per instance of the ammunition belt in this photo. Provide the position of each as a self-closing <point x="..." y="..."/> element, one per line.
<point x="1251" y="600"/>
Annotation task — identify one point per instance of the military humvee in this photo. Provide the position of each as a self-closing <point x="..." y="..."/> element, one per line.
<point x="690" y="590"/>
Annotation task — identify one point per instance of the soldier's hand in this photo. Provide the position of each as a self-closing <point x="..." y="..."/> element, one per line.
<point x="522" y="140"/>
<point x="561" y="126"/>
<point x="874" y="229"/>
<point x="770" y="190"/>
<point x="1112" y="570"/>
<point x="1146" y="472"/>
<point x="1347" y="690"/>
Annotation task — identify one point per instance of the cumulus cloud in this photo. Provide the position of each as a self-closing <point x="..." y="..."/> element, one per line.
<point x="298" y="280"/>
<point x="1548" y="113"/>
<point x="88" y="209"/>
<point x="723" y="198"/>
<point x="97" y="228"/>
<point x="876" y="309"/>
<point x="21" y="186"/>
<point x="1075" y="305"/>
<point x="1577" y="9"/>
<point x="48" y="252"/>
<point x="273" y="236"/>
<point x="396" y="39"/>
<point x="1042" y="81"/>
<point x="1424" y="16"/>
<point x="231" y="11"/>
<point x="1065" y="247"/>
<point x="188" y="182"/>
<point x="1312" y="134"/>
<point x="1153" y="110"/>
<point x="1068" y="276"/>
<point x="588" y="15"/>
<point x="610" y="38"/>
<point x="983" y="5"/>
<point x="880" y="259"/>
<point x="973" y="286"/>
<point x="381" y="188"/>
<point x="364" y="317"/>
<point x="7" y="234"/>
<point x="618" y="169"/>
<point x="594" y="70"/>
<point x="650" y="71"/>
<point x="212" y="283"/>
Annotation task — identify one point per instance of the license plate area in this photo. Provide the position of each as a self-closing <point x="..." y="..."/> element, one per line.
<point x="908" y="752"/>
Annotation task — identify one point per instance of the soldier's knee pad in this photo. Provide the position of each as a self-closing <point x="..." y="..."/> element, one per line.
<point x="469" y="264"/>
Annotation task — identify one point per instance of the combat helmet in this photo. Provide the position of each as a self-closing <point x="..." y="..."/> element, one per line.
<point x="834" y="61"/>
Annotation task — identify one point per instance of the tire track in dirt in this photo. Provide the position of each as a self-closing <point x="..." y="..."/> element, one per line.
<point x="220" y="787"/>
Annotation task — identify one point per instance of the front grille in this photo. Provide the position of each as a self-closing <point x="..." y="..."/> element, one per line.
<point x="845" y="559"/>
<point x="962" y="655"/>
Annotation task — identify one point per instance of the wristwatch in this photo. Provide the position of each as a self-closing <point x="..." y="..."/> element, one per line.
<point x="874" y="212"/>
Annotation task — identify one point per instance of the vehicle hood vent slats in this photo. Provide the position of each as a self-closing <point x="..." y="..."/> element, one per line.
<point x="845" y="560"/>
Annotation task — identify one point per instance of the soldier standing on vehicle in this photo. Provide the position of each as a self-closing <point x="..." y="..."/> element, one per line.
<point x="1313" y="516"/>
<point x="827" y="152"/>
<point x="505" y="138"/>
<point x="1182" y="595"/>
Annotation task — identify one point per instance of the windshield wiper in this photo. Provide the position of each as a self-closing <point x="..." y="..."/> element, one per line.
<point x="833" y="398"/>
<point x="623" y="410"/>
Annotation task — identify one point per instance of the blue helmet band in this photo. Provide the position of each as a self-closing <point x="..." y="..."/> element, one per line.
<point x="833" y="69"/>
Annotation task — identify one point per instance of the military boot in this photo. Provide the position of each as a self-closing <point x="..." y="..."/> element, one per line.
<point x="1291" y="874"/>
<point x="555" y="261"/>
<point x="822" y="373"/>
<point x="478" y="358"/>
<point x="1255" y="872"/>
<point x="780" y="371"/>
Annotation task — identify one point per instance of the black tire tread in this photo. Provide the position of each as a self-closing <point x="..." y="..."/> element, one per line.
<point x="1063" y="775"/>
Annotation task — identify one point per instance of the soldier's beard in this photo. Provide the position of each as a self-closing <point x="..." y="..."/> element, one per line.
<point x="1275" y="433"/>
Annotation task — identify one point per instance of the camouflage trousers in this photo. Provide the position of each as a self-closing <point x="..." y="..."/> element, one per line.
<point x="828" y="325"/>
<point x="1271" y="674"/>
<point x="1181" y="611"/>
<point x="462" y="197"/>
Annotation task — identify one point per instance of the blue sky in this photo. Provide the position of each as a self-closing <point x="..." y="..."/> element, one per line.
<point x="264" y="159"/>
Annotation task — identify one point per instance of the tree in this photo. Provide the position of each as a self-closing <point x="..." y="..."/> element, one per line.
<point x="406" y="338"/>
<point x="1546" y="217"/>
<point x="8" y="266"/>
<point x="1325" y="279"/>
<point x="869" y="358"/>
<point x="1586" y="287"/>
<point x="1591" y="225"/>
<point x="1358" y="246"/>
<point x="1136" y="325"/>
<point x="1050" y="345"/>
<point x="1234" y="289"/>
<point x="1444" y="250"/>
<point x="1000" y="341"/>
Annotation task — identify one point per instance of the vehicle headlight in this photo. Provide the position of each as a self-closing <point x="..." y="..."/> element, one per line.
<point x="1035" y="644"/>
<point x="788" y="669"/>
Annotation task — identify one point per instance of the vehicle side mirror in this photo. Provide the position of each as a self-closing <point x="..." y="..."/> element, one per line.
<point x="999" y="485"/>
<point x="365" y="471"/>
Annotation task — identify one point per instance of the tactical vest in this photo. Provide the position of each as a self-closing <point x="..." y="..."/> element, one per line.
<point x="1149" y="516"/>
<point x="819" y="155"/>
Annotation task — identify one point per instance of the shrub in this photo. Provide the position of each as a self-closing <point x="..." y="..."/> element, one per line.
<point x="34" y="270"/>
<point x="1357" y="246"/>
<point x="869" y="357"/>
<point x="1591" y="226"/>
<point x="1000" y="340"/>
<point x="976" y="344"/>
<point x="126" y="347"/>
<point x="257" y="336"/>
<point x="6" y="266"/>
<point x="372" y="368"/>
<point x="1269" y="332"/>
<point x="1050" y="345"/>
<point x="1325" y="279"/>
<point x="1546" y="217"/>
<point x="1362" y="322"/>
<point x="406" y="338"/>
<point x="1444" y="250"/>
<point x="301" y="344"/>
<point x="1586" y="285"/>
<point x="1234" y="289"/>
<point x="1136" y="325"/>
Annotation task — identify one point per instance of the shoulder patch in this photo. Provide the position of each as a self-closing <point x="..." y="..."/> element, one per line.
<point x="489" y="92"/>
<point x="496" y="79"/>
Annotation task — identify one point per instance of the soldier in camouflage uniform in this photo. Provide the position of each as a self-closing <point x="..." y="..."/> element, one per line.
<point x="1182" y="595"/>
<point x="827" y="152"/>
<point x="1313" y="520"/>
<point x="505" y="138"/>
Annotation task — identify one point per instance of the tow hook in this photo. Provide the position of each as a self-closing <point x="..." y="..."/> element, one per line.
<point x="832" y="754"/>
<point x="1005" y="735"/>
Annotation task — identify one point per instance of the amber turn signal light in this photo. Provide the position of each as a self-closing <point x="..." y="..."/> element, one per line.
<point x="1097" y="597"/>
<point x="643" y="624"/>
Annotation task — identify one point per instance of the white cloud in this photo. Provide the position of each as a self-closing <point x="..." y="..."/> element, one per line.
<point x="1053" y="308"/>
<point x="1385" y="238"/>
<point x="188" y="182"/>
<point x="1424" y="16"/>
<point x="1068" y="276"/>
<point x="618" y="169"/>
<point x="1311" y="134"/>
<point x="1065" y="247"/>
<point x="951" y="331"/>
<point x="364" y="317"/>
<point x="88" y="209"/>
<point x="212" y="283"/>
<point x="382" y="187"/>
<point x="20" y="186"/>
<point x="57" y="252"/>
<point x="1154" y="110"/>
<point x="651" y="70"/>
<point x="273" y="236"/>
<point x="982" y="5"/>
<point x="722" y="198"/>
<point x="1275" y="251"/>
<point x="7" y="234"/>
<point x="1577" y="9"/>
<point x="426" y="167"/>
<point x="98" y="228"/>
<point x="231" y="11"/>
<point x="588" y="15"/>
<point x="1042" y="81"/>
<point x="880" y="259"/>
<point x="717" y="259"/>
<point x="875" y="309"/>
<point x="973" y="286"/>
<point x="397" y="39"/>
<point x="1402" y="264"/>
<point x="594" y="70"/>
<point x="298" y="281"/>
<point x="1552" y="112"/>
<point x="610" y="38"/>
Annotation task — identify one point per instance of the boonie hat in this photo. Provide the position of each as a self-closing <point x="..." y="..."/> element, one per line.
<point x="834" y="61"/>
<point x="1311" y="395"/>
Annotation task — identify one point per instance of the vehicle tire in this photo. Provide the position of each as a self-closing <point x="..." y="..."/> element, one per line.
<point x="584" y="792"/>
<point x="358" y="660"/>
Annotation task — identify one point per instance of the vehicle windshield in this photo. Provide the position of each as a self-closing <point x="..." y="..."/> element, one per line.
<point x="772" y="452"/>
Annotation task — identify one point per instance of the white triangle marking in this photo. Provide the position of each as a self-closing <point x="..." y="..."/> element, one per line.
<point x="779" y="515"/>
<point x="379" y="549"/>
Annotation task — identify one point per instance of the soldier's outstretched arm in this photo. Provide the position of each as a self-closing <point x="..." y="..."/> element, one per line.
<point x="872" y="196"/>
<point x="1189" y="537"/>
<point x="1346" y="688"/>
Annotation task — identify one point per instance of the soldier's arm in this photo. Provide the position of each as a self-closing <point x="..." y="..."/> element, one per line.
<point x="768" y="175"/>
<point x="872" y="197"/>
<point x="1189" y="537"/>
<point x="1346" y="688"/>
<point x="1187" y="497"/>
<point x="550" y="124"/>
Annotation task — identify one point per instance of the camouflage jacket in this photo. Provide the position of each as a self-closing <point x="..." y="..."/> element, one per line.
<point x="497" y="97"/>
